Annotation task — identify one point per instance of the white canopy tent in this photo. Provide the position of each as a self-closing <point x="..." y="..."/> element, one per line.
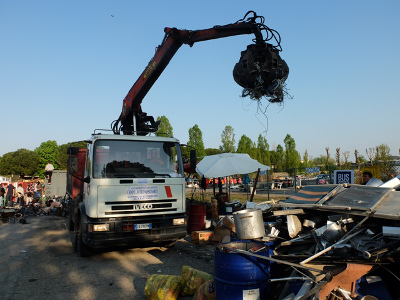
<point x="227" y="164"/>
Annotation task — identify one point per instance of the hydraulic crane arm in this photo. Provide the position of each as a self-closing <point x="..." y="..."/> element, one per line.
<point x="174" y="38"/>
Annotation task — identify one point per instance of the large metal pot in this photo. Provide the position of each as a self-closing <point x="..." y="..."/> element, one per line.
<point x="249" y="224"/>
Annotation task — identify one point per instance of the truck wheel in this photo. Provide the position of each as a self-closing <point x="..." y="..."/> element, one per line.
<point x="70" y="223"/>
<point x="84" y="250"/>
<point x="70" y="215"/>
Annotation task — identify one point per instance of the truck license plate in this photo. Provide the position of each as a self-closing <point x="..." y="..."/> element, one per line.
<point x="142" y="226"/>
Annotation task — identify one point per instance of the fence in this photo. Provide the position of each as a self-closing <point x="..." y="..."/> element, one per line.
<point x="306" y="175"/>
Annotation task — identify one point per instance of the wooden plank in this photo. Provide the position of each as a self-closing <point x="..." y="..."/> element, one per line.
<point x="296" y="211"/>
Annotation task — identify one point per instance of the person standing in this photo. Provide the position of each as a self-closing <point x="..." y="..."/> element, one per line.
<point x="38" y="190"/>
<point x="10" y="194"/>
<point x="2" y="196"/>
<point x="29" y="193"/>
<point x="48" y="171"/>
<point x="20" y="194"/>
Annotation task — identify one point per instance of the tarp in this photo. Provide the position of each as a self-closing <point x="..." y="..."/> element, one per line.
<point x="227" y="164"/>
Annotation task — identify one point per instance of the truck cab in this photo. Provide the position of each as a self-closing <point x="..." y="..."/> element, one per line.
<point x="126" y="190"/>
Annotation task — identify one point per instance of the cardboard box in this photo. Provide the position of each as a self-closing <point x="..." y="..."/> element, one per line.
<point x="230" y="224"/>
<point x="222" y="231"/>
<point x="221" y="239"/>
<point x="202" y="237"/>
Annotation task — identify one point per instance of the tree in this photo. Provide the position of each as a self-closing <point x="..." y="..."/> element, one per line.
<point x="263" y="150"/>
<point x="306" y="162"/>
<point x="165" y="128"/>
<point x="356" y="155"/>
<point x="362" y="159"/>
<point x="384" y="158"/>
<point x="277" y="156"/>
<point x="62" y="157"/>
<point x="48" y="152"/>
<point x="305" y="159"/>
<point x="338" y="156"/>
<point x="328" y="156"/>
<point x="212" y="151"/>
<point x="227" y="140"/>
<point x="320" y="161"/>
<point x="371" y="153"/>
<point x="22" y="162"/>
<point x="245" y="145"/>
<point x="292" y="157"/>
<point x="346" y="155"/>
<point x="196" y="140"/>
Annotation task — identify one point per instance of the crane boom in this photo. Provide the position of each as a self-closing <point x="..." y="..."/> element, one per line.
<point x="174" y="38"/>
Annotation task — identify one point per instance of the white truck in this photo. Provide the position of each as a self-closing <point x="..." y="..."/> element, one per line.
<point x="132" y="192"/>
<point x="128" y="188"/>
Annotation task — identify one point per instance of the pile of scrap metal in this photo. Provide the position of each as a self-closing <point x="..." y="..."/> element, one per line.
<point x="335" y="242"/>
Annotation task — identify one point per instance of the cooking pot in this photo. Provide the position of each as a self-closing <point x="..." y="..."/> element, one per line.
<point x="249" y="224"/>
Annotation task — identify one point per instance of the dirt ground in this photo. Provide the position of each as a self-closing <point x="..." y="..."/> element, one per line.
<point x="38" y="262"/>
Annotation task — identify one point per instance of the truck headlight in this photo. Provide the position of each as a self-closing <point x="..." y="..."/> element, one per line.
<point x="180" y="221"/>
<point x="99" y="227"/>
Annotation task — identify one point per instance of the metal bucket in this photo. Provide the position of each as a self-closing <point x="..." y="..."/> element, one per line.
<point x="197" y="218"/>
<point x="249" y="224"/>
<point x="240" y="276"/>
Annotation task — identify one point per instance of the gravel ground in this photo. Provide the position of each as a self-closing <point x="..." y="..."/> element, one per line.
<point x="38" y="262"/>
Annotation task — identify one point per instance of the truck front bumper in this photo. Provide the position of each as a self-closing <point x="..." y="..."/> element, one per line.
<point x="122" y="232"/>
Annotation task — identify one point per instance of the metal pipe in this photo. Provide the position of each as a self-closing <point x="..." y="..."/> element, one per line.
<point x="346" y="237"/>
<point x="268" y="183"/>
<point x="134" y="124"/>
<point x="288" y="278"/>
<point x="330" y="247"/>
<point x="274" y="260"/>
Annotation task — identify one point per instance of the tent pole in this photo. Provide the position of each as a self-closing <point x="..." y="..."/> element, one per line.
<point x="255" y="185"/>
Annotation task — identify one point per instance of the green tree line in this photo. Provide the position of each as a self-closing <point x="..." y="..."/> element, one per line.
<point x="25" y="163"/>
<point x="283" y="157"/>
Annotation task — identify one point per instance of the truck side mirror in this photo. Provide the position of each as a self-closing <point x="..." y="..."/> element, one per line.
<point x="72" y="150"/>
<point x="193" y="159"/>
<point x="72" y="165"/>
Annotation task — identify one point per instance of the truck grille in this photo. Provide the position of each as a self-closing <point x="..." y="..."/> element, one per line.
<point x="137" y="207"/>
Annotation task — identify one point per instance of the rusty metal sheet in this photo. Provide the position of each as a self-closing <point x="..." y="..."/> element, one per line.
<point x="346" y="279"/>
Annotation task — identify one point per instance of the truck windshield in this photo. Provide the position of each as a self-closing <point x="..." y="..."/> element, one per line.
<point x="136" y="159"/>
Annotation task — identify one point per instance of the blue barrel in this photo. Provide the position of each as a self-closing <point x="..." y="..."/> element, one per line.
<point x="241" y="276"/>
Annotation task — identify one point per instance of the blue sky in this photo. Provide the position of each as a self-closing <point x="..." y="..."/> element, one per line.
<point x="65" y="67"/>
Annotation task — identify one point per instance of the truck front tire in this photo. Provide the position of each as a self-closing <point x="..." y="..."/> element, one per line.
<point x="84" y="250"/>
